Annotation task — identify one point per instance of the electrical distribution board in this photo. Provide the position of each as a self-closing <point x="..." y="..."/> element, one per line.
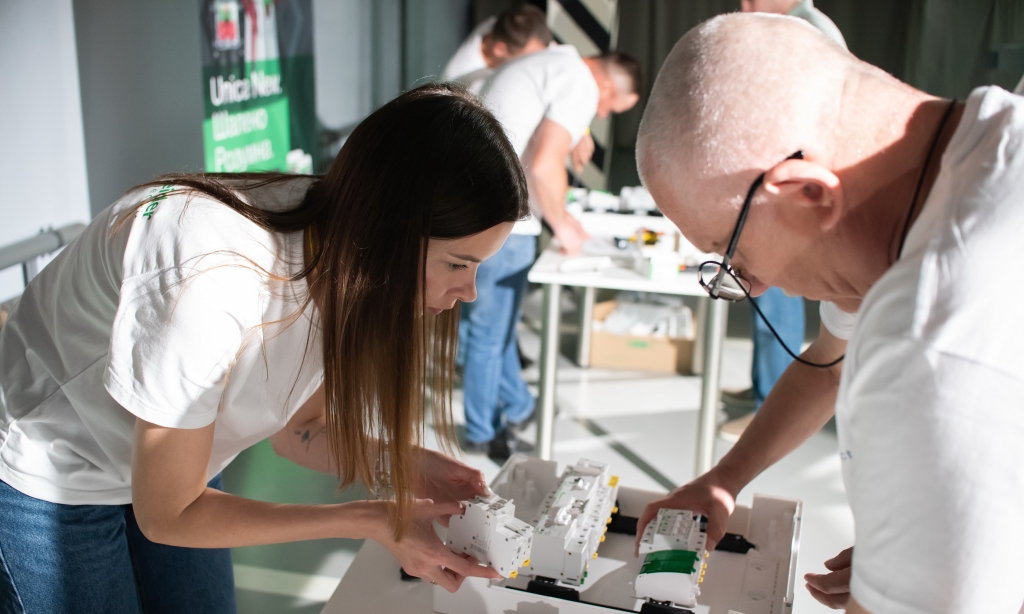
<point x="752" y="570"/>
<point x="572" y="522"/>
<point x="490" y="532"/>
<point x="673" y="547"/>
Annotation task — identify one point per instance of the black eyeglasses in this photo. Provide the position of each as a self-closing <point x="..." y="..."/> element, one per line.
<point x="721" y="281"/>
<point x="718" y="278"/>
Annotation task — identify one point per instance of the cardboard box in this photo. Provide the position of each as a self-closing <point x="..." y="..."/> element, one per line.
<point x="664" y="355"/>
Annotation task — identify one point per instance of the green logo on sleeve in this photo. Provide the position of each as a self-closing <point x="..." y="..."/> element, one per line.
<point x="157" y="195"/>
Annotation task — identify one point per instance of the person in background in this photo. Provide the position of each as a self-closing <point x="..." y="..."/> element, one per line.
<point x="786" y="313"/>
<point x="901" y="212"/>
<point x="519" y="31"/>
<point x="201" y="314"/>
<point x="545" y="101"/>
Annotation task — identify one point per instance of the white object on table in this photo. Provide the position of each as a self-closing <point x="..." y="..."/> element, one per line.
<point x="489" y="532"/>
<point x="674" y="561"/>
<point x="571" y="523"/>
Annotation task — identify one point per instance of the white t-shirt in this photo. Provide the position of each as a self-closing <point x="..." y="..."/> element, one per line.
<point x="165" y="320"/>
<point x="930" y="411"/>
<point x="554" y="84"/>
<point x="468" y="57"/>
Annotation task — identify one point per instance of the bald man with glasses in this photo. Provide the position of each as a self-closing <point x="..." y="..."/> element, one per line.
<point x="817" y="173"/>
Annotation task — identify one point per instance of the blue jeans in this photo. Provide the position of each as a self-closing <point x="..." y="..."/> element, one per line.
<point x="86" y="559"/>
<point x="770" y="359"/>
<point x="492" y="382"/>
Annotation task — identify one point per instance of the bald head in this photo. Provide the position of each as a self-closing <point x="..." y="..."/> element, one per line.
<point x="737" y="93"/>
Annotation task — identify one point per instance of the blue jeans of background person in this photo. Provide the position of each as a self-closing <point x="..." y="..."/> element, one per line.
<point x="786" y="313"/>
<point x="492" y="383"/>
<point x="86" y="559"/>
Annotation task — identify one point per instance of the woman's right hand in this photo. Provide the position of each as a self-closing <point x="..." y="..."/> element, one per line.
<point x="422" y="553"/>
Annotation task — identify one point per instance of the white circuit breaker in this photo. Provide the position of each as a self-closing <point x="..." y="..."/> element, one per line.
<point x="572" y="521"/>
<point x="490" y="532"/>
<point x="673" y="569"/>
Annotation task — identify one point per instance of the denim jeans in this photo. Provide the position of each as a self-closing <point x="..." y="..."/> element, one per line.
<point x="86" y="559"/>
<point x="492" y="383"/>
<point x="786" y="314"/>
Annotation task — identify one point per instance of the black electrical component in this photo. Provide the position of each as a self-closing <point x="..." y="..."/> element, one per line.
<point x="406" y="576"/>
<point x="549" y="587"/>
<point x="624" y="525"/>
<point x="735" y="543"/>
<point x="661" y="607"/>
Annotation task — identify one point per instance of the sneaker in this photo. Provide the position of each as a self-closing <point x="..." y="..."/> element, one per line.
<point x="518" y="427"/>
<point x="732" y="430"/>
<point x="740" y="399"/>
<point x="472" y="447"/>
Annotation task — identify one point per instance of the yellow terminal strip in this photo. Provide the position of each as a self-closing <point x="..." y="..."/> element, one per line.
<point x="516" y="573"/>
<point x="615" y="510"/>
<point x="526" y="563"/>
<point x="594" y="557"/>
<point x="603" y="538"/>
<point x="614" y="481"/>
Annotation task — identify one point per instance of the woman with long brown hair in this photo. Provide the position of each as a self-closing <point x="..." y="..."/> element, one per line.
<point x="201" y="314"/>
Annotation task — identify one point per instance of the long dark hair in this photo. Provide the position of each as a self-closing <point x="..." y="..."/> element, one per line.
<point x="431" y="163"/>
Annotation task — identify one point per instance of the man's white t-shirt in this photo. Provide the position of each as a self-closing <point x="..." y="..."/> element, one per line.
<point x="468" y="57"/>
<point x="167" y="319"/>
<point x="554" y="84"/>
<point x="930" y="411"/>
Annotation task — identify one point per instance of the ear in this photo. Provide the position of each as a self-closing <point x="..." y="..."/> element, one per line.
<point x="808" y="184"/>
<point x="500" y="50"/>
<point x="629" y="101"/>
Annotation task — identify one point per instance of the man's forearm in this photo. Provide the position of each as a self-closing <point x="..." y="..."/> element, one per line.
<point x="548" y="184"/>
<point x="800" y="403"/>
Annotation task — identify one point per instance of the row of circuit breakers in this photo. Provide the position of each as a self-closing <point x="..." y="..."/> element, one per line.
<point x="570" y="525"/>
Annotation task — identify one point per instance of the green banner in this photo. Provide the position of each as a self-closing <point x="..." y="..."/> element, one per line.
<point x="258" y="84"/>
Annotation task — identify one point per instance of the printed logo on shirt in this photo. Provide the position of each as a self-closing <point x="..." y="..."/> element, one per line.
<point x="157" y="194"/>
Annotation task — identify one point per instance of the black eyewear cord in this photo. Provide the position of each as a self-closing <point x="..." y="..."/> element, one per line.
<point x="727" y="285"/>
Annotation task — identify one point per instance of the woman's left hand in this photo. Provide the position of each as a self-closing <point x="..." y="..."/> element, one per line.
<point x="444" y="479"/>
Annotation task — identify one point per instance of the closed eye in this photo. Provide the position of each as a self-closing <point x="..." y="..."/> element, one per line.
<point x="457" y="267"/>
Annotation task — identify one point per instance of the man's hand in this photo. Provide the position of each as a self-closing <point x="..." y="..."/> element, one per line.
<point x="570" y="234"/>
<point x="582" y="153"/>
<point x="833" y="589"/>
<point x="445" y="480"/>
<point x="705" y="495"/>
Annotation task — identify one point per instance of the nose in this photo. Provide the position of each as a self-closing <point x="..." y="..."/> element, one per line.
<point x="467" y="292"/>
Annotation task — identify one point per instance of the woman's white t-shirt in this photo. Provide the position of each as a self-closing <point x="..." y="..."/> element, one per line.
<point x="168" y="319"/>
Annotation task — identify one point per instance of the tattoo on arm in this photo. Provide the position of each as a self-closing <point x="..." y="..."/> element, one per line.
<point x="308" y="435"/>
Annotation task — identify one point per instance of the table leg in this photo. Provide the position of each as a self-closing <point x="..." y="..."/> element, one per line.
<point x="586" y="319"/>
<point x="714" y="332"/>
<point x="548" y="370"/>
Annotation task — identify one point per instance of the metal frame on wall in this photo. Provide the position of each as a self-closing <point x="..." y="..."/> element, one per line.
<point x="592" y="26"/>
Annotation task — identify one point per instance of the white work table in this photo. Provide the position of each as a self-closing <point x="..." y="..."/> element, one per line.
<point x="547" y="272"/>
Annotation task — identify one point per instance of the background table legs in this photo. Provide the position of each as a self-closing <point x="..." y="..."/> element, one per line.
<point x="714" y="333"/>
<point x="548" y="373"/>
<point x="586" y="320"/>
